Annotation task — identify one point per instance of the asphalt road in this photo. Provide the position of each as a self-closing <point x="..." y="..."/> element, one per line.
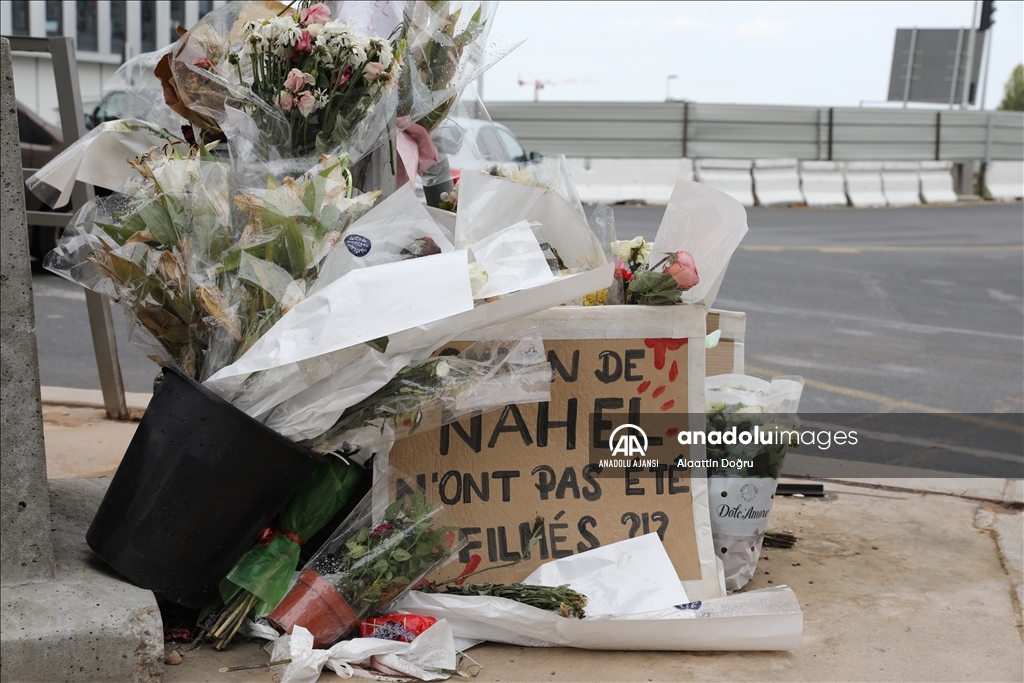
<point x="890" y="309"/>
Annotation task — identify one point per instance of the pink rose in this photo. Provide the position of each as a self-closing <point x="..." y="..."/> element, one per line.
<point x="297" y="80"/>
<point x="285" y="100"/>
<point x="303" y="47"/>
<point x="372" y="70"/>
<point x="314" y="14"/>
<point x="305" y="103"/>
<point x="344" y="77"/>
<point x="684" y="270"/>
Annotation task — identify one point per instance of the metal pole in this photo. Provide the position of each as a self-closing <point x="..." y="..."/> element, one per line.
<point x="910" y="66"/>
<point x="956" y="66"/>
<point x="101" y="323"/>
<point x="831" y="113"/>
<point x="686" y="125"/>
<point x="965" y="94"/>
<point x="988" y="140"/>
<point x="938" y="135"/>
<point x="984" y="78"/>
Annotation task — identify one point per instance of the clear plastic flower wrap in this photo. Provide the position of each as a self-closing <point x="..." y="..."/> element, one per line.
<point x="290" y="82"/>
<point x="202" y="269"/>
<point x="383" y="548"/>
<point x="486" y="375"/>
<point x="448" y="46"/>
<point x="754" y="420"/>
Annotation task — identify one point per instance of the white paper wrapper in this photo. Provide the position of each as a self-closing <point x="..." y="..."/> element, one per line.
<point x="488" y="204"/>
<point x="767" y="619"/>
<point x="709" y="225"/>
<point x="405" y="294"/>
<point x="98" y="158"/>
<point x="512" y="259"/>
<point x="628" y="577"/>
<point x="432" y="650"/>
<point x="382" y="235"/>
<point x="633" y="592"/>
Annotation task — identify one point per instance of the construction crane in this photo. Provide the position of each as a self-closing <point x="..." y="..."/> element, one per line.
<point x="539" y="85"/>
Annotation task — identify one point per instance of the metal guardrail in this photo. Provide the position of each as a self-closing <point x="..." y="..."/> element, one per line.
<point x="101" y="324"/>
<point x="736" y="131"/>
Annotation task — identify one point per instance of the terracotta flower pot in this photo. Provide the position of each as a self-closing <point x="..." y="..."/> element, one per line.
<point x="316" y="605"/>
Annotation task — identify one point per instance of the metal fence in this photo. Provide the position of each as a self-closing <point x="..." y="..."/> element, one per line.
<point x="736" y="131"/>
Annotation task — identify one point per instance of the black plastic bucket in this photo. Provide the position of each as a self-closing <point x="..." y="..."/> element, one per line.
<point x="199" y="482"/>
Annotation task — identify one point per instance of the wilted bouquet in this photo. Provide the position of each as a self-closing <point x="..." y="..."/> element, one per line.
<point x="202" y="282"/>
<point x="375" y="556"/>
<point x="306" y="80"/>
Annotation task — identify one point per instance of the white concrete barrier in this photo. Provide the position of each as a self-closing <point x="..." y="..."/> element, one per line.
<point x="937" y="182"/>
<point x="864" y="183"/>
<point x="609" y="181"/>
<point x="776" y="182"/>
<point x="822" y="183"/>
<point x="901" y="183"/>
<point x="731" y="176"/>
<point x="1005" y="179"/>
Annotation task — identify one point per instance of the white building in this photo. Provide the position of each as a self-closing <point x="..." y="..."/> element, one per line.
<point x="105" y="33"/>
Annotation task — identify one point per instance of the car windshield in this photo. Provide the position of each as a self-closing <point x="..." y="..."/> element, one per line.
<point x="514" y="150"/>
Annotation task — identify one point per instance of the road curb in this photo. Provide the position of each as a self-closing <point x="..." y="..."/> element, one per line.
<point x="89" y="398"/>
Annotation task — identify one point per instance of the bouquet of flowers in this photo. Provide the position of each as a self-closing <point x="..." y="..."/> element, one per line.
<point x="378" y="553"/>
<point x="202" y="279"/>
<point x="308" y="81"/>
<point x="750" y="424"/>
<point x="657" y="284"/>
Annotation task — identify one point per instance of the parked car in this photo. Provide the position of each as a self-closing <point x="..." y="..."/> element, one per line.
<point x="40" y="142"/>
<point x="479" y="143"/>
<point x="473" y="145"/>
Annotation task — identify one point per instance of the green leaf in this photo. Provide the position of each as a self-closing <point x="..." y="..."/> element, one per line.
<point x="118" y="233"/>
<point x="158" y="222"/>
<point x="401" y="555"/>
<point x="379" y="344"/>
<point x="392" y="510"/>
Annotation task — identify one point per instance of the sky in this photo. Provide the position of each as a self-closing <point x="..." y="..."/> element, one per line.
<point x="799" y="53"/>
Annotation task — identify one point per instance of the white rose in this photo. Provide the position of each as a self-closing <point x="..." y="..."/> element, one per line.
<point x="315" y="30"/>
<point x="442" y="368"/>
<point x="622" y="249"/>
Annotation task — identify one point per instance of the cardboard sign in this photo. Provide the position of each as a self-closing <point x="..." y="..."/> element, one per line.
<point x="498" y="471"/>
<point x="727" y="357"/>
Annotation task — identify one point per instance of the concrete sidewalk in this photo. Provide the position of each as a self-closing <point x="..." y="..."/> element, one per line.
<point x="896" y="585"/>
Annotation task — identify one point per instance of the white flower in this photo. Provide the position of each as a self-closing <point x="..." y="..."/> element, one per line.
<point x="384" y="54"/>
<point x="749" y="410"/>
<point x="289" y="36"/>
<point x="477" y="278"/>
<point x="624" y="249"/>
<point x="441" y="369"/>
<point x="173" y="176"/>
<point x="315" y="30"/>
